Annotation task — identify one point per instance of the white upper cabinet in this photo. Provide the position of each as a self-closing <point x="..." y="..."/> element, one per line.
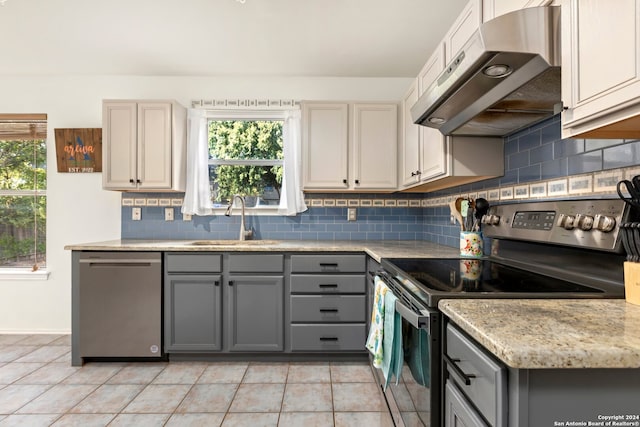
<point x="494" y="8"/>
<point x="375" y="146"/>
<point x="349" y="147"/>
<point x="410" y="142"/>
<point x="601" y="68"/>
<point x="144" y="146"/>
<point x="423" y="148"/>
<point x="463" y="28"/>
<point x="325" y="136"/>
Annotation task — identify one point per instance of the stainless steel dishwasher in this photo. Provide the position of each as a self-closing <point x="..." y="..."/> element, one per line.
<point x="120" y="304"/>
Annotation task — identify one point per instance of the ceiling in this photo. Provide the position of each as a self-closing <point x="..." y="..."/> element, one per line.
<point x="342" y="38"/>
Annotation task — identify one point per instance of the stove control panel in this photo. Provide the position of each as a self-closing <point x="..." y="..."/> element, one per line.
<point x="582" y="223"/>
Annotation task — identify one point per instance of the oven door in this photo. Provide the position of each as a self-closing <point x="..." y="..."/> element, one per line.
<point x="416" y="398"/>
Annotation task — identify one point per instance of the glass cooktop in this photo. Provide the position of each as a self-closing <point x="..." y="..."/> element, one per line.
<point x="458" y="276"/>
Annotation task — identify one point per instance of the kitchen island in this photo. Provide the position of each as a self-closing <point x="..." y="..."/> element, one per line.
<point x="566" y="362"/>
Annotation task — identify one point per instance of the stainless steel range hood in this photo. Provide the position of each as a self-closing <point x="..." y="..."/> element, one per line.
<point x="506" y="77"/>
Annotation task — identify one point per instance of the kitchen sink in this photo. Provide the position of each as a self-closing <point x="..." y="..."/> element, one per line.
<point x="233" y="242"/>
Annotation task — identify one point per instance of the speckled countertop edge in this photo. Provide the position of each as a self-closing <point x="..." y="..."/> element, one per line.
<point x="377" y="249"/>
<point x="540" y="334"/>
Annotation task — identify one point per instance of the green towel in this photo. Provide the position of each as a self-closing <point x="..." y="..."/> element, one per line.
<point x="392" y="354"/>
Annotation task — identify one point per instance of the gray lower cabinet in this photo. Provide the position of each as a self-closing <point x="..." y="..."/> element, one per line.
<point x="192" y="302"/>
<point x="255" y="313"/>
<point x="193" y="312"/>
<point x="458" y="411"/>
<point x="328" y="303"/>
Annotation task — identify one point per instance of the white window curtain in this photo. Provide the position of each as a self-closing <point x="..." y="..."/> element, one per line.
<point x="291" y="196"/>
<point x="197" y="197"/>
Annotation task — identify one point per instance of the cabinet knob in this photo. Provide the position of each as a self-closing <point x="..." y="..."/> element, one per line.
<point x="357" y="181"/>
<point x="344" y="181"/>
<point x="216" y="283"/>
<point x="230" y="282"/>
<point x="131" y="181"/>
<point x="138" y="181"/>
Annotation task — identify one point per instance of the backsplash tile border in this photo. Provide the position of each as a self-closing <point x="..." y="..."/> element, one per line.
<point x="601" y="183"/>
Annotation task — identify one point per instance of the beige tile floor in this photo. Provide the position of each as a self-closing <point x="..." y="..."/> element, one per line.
<point x="39" y="387"/>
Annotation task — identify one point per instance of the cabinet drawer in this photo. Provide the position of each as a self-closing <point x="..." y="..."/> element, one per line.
<point x="328" y="264"/>
<point x="330" y="283"/>
<point x="193" y="263"/>
<point x="328" y="337"/>
<point x="487" y="377"/>
<point x="328" y="308"/>
<point x="256" y="263"/>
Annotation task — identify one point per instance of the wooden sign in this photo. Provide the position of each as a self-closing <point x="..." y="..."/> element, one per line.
<point x="79" y="150"/>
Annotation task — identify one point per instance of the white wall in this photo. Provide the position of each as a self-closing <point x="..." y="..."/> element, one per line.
<point x="78" y="210"/>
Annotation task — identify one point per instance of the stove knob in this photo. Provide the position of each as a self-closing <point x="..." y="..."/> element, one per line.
<point x="604" y="223"/>
<point x="566" y="221"/>
<point x="491" y="219"/>
<point x="584" y="222"/>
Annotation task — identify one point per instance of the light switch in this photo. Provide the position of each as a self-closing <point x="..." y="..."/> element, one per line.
<point x="351" y="214"/>
<point x="168" y="214"/>
<point x="136" y="214"/>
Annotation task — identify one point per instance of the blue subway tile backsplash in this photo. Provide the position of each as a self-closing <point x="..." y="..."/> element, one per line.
<point x="531" y="154"/>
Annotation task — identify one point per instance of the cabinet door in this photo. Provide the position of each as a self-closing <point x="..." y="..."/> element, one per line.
<point x="192" y="312"/>
<point x="410" y="143"/>
<point x="458" y="411"/>
<point x="433" y="148"/>
<point x="119" y="156"/>
<point x="154" y="145"/>
<point x="375" y="146"/>
<point x="325" y="133"/>
<point x="600" y="64"/>
<point x="463" y="28"/>
<point x="255" y="315"/>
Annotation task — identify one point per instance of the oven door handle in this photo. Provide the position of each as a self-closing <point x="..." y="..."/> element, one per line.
<point x="418" y="321"/>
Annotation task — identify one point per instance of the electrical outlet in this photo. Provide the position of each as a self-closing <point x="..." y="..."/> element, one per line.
<point x="168" y="214"/>
<point x="186" y="217"/>
<point x="351" y="214"/>
<point x="136" y="214"/>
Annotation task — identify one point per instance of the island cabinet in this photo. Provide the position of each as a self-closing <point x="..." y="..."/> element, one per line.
<point x="328" y="303"/>
<point x="255" y="302"/>
<point x="144" y="145"/>
<point x="480" y="390"/>
<point x="600" y="72"/>
<point x="192" y="302"/>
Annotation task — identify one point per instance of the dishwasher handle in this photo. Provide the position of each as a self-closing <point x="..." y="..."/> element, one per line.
<point x="120" y="262"/>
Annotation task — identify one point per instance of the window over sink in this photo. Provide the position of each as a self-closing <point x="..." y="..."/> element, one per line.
<point x="246" y="157"/>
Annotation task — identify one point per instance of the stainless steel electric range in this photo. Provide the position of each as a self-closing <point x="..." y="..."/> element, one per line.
<point x="553" y="249"/>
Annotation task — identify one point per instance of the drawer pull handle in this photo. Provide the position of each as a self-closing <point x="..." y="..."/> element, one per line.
<point x="329" y="264"/>
<point x="328" y="310"/>
<point x="328" y="285"/>
<point x="328" y="338"/>
<point x="452" y="363"/>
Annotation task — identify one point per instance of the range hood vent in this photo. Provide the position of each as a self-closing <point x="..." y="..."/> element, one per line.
<point x="506" y="77"/>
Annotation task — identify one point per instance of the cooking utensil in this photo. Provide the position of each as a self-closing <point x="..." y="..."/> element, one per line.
<point x="481" y="209"/>
<point x="455" y="211"/>
<point x="625" y="229"/>
<point x="632" y="188"/>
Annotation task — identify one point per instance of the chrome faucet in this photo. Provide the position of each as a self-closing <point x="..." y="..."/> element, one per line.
<point x="244" y="234"/>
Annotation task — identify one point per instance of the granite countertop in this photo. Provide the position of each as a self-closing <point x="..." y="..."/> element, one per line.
<point x="538" y="334"/>
<point x="377" y="249"/>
